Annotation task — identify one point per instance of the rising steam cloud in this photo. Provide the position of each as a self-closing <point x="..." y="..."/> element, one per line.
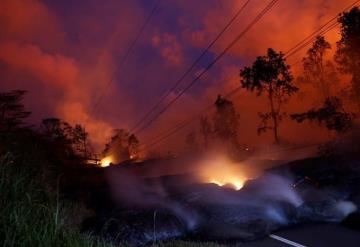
<point x="220" y="211"/>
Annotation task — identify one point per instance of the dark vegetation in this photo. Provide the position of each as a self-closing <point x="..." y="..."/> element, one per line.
<point x="35" y="169"/>
<point x="32" y="213"/>
<point x="319" y="71"/>
<point x="348" y="50"/>
<point x="48" y="189"/>
<point x="271" y="76"/>
<point x="331" y="114"/>
<point x="122" y="146"/>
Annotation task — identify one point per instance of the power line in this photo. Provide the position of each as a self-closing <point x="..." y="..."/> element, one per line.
<point x="197" y="60"/>
<point x="289" y="53"/>
<point x="313" y="34"/>
<point x="187" y="122"/>
<point x="217" y="58"/>
<point x="126" y="55"/>
<point x="192" y="119"/>
<point x="214" y="61"/>
<point x="311" y="40"/>
<point x="307" y="43"/>
<point x="326" y="27"/>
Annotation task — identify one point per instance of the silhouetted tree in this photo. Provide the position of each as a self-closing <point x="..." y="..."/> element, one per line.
<point x="72" y="139"/>
<point x="331" y="114"/>
<point x="205" y="130"/>
<point x="12" y="111"/>
<point x="79" y="141"/>
<point x="317" y="69"/>
<point x="122" y="146"/>
<point x="56" y="130"/>
<point x="271" y="76"/>
<point x="348" y="49"/>
<point x="226" y="122"/>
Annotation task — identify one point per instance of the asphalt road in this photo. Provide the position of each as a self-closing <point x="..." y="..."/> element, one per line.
<point x="319" y="235"/>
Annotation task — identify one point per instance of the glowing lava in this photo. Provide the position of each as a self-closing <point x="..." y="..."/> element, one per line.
<point x="223" y="172"/>
<point x="106" y="161"/>
<point x="237" y="184"/>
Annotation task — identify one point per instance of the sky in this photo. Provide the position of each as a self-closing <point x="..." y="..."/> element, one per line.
<point x="67" y="54"/>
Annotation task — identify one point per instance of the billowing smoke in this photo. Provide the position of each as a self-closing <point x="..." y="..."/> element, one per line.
<point x="266" y="202"/>
<point x="66" y="59"/>
<point x="345" y="208"/>
<point x="129" y="189"/>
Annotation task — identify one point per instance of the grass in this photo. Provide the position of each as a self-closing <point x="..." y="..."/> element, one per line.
<point x="29" y="216"/>
<point x="33" y="214"/>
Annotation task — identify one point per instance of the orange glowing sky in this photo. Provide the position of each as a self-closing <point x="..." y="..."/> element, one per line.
<point x="65" y="54"/>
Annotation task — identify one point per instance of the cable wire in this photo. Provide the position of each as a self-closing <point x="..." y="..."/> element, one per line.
<point x="214" y="61"/>
<point x="187" y="122"/>
<point x="289" y="53"/>
<point x="192" y="66"/>
<point x="329" y="25"/>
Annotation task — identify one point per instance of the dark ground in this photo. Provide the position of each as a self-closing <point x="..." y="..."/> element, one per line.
<point x="227" y="216"/>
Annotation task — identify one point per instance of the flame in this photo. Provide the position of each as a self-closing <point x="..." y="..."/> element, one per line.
<point x="106" y="161"/>
<point x="237" y="184"/>
<point x="223" y="172"/>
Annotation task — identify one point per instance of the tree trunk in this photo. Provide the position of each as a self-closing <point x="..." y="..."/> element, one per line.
<point x="274" y="117"/>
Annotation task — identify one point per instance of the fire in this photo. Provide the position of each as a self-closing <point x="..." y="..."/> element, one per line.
<point x="222" y="172"/>
<point x="106" y="161"/>
<point x="237" y="184"/>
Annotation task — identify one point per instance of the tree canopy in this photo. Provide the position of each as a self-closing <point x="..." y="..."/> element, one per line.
<point x="226" y="120"/>
<point x="317" y="70"/>
<point x="122" y="146"/>
<point x="270" y="75"/>
<point x="332" y="115"/>
<point x="348" y="49"/>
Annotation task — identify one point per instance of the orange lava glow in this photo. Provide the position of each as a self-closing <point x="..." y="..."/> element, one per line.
<point x="106" y="161"/>
<point x="235" y="183"/>
<point x="223" y="172"/>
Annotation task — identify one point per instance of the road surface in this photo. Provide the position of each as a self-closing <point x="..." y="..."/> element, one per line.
<point x="319" y="235"/>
